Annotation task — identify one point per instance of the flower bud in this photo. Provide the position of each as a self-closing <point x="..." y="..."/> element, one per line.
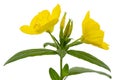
<point x="62" y="23"/>
<point x="68" y="29"/>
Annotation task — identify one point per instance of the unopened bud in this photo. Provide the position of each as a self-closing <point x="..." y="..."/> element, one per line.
<point x="62" y="23"/>
<point x="68" y="29"/>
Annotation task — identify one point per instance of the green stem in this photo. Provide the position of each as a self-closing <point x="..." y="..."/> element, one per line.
<point x="61" y="60"/>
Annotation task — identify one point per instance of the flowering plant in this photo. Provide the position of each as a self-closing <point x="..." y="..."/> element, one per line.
<point x="91" y="34"/>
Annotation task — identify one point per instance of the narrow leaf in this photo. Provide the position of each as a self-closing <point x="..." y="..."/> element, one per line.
<point x="53" y="74"/>
<point x="80" y="70"/>
<point x="50" y="44"/>
<point x="30" y="53"/>
<point x="74" y="43"/>
<point x="65" y="70"/>
<point x="88" y="57"/>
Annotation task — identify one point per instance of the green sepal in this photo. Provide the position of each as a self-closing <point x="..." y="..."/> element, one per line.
<point x="53" y="74"/>
<point x="80" y="70"/>
<point x="55" y="41"/>
<point x="88" y="57"/>
<point x="30" y="53"/>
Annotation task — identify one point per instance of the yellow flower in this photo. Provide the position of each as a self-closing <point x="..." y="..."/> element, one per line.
<point x="92" y="34"/>
<point x="43" y="21"/>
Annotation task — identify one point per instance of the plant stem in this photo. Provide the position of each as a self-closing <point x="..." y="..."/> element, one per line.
<point x="61" y="60"/>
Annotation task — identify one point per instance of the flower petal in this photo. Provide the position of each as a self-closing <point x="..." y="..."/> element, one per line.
<point x="50" y="25"/>
<point x="56" y="12"/>
<point x="105" y="46"/>
<point x="89" y="24"/>
<point x="92" y="33"/>
<point x="41" y="18"/>
<point x="28" y="30"/>
<point x="53" y="19"/>
<point x="94" y="37"/>
<point x="42" y="22"/>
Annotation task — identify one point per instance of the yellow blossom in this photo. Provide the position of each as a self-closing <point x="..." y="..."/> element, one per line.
<point x="43" y="21"/>
<point x="91" y="33"/>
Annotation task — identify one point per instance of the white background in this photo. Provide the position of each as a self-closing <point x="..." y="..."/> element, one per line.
<point x="15" y="13"/>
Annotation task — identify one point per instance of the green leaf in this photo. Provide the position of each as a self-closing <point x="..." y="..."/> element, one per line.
<point x="74" y="43"/>
<point x="51" y="44"/>
<point x="65" y="70"/>
<point x="53" y="74"/>
<point x="80" y="70"/>
<point x="88" y="57"/>
<point x="30" y="53"/>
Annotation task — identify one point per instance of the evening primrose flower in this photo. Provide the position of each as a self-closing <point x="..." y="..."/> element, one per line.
<point x="43" y="21"/>
<point x="91" y="33"/>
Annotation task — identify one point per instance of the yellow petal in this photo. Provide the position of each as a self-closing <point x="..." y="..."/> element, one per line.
<point x="89" y="24"/>
<point x="41" y="18"/>
<point x="56" y="12"/>
<point x="28" y="30"/>
<point x="37" y="24"/>
<point x="42" y="22"/>
<point x="92" y="33"/>
<point x="53" y="19"/>
<point x="105" y="46"/>
<point x="50" y="25"/>
<point x="94" y="37"/>
<point x="87" y="16"/>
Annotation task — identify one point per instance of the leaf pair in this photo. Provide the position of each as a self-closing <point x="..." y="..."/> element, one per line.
<point x="55" y="76"/>
<point x="73" y="71"/>
<point x="66" y="71"/>
<point x="79" y="70"/>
